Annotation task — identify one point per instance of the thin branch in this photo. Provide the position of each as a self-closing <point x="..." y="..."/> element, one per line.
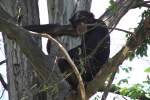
<point x="142" y="4"/>
<point x="68" y="58"/>
<point x="119" y="29"/>
<point x="105" y="94"/>
<point x="5" y="85"/>
<point x="2" y="94"/>
<point x="4" y="61"/>
<point x="101" y="41"/>
<point x="104" y="26"/>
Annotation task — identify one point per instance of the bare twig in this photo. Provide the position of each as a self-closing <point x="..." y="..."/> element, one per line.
<point x="4" y="61"/>
<point x="101" y="41"/>
<point x="2" y="94"/>
<point x="68" y="58"/>
<point x="118" y="29"/>
<point x="5" y="85"/>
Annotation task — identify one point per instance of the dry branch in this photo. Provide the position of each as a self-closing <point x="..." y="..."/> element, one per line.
<point x="68" y="58"/>
<point x="5" y="85"/>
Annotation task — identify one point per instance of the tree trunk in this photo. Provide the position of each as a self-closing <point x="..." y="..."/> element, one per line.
<point x="22" y="79"/>
<point x="20" y="74"/>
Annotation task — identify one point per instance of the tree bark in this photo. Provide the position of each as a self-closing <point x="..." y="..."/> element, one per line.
<point x="20" y="74"/>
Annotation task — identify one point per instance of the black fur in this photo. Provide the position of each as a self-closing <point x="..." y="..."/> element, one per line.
<point x="88" y="66"/>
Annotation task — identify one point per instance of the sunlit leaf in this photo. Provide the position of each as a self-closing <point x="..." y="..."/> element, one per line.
<point x="147" y="70"/>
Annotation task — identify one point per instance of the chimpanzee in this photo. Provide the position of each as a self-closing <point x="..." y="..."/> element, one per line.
<point x="87" y="64"/>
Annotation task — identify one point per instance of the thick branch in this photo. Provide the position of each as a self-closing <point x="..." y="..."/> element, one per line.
<point x="113" y="18"/>
<point x="27" y="45"/>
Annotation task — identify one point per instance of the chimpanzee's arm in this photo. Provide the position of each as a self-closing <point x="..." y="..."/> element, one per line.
<point x="53" y="29"/>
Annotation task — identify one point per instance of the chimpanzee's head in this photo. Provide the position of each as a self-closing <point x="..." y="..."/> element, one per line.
<point x="82" y="17"/>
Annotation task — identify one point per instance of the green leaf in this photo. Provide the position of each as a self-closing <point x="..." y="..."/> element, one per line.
<point x="127" y="69"/>
<point x="123" y="81"/>
<point x="113" y="6"/>
<point x="147" y="70"/>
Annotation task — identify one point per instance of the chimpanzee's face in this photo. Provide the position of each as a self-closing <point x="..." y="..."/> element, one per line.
<point x="80" y="19"/>
<point x="81" y="28"/>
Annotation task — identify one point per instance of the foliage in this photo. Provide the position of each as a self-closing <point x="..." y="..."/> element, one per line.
<point x="113" y="6"/>
<point x="147" y="70"/>
<point x="127" y="69"/>
<point x="123" y="81"/>
<point x="142" y="49"/>
<point x="136" y="91"/>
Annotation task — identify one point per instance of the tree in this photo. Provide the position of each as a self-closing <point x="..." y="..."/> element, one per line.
<point x="20" y="74"/>
<point x="31" y="77"/>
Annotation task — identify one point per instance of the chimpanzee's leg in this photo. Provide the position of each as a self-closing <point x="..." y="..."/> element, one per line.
<point x="66" y="68"/>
